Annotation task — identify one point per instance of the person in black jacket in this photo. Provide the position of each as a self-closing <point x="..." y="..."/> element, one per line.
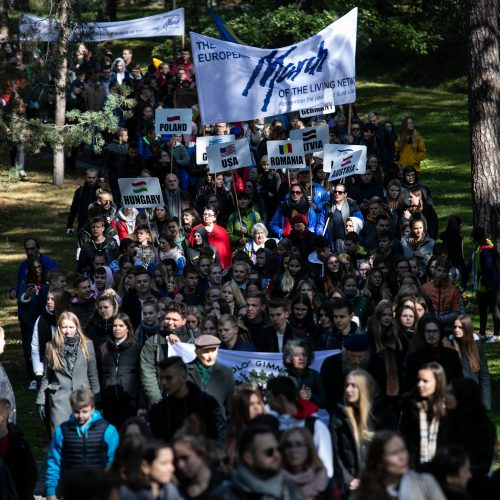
<point x="116" y="161"/>
<point x="427" y="346"/>
<point x="183" y="399"/>
<point x="119" y="373"/>
<point x="16" y="453"/>
<point x="83" y="197"/>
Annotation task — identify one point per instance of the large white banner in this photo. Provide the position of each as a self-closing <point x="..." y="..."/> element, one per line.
<point x="229" y="156"/>
<point x="343" y="160"/>
<point x="46" y="30"/>
<point x="256" y="367"/>
<point x="314" y="138"/>
<point x="237" y="82"/>
<point x="208" y="140"/>
<point x="286" y="154"/>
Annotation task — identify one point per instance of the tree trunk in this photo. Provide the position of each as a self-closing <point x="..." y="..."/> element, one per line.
<point x="61" y="54"/>
<point x="4" y="21"/>
<point x="484" y="102"/>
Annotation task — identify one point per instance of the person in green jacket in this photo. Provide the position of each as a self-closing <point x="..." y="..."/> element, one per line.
<point x="240" y="223"/>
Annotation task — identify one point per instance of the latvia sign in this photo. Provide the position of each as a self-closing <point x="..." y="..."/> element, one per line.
<point x="143" y="192"/>
<point x="173" y="121"/>
<point x="343" y="160"/>
<point x="229" y="156"/>
<point x="286" y="154"/>
<point x="209" y="140"/>
<point x="314" y="138"/>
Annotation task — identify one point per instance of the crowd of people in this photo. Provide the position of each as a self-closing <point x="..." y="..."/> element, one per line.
<point x="257" y="260"/>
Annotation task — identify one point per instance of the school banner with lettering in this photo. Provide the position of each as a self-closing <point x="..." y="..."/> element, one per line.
<point x="313" y="138"/>
<point x="343" y="160"/>
<point x="141" y="192"/>
<point x="229" y="156"/>
<point x="173" y="121"/>
<point x="256" y="367"/>
<point x="238" y="82"/>
<point x="208" y="140"/>
<point x="46" y="30"/>
<point x="286" y="154"/>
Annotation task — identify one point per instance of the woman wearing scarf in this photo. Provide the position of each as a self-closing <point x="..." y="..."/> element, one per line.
<point x="418" y="244"/>
<point x="69" y="364"/>
<point x="295" y="204"/>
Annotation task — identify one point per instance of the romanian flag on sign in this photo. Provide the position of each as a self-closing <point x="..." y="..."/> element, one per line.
<point x="285" y="149"/>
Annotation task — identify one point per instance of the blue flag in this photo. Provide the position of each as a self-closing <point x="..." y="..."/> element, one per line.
<point x="226" y="33"/>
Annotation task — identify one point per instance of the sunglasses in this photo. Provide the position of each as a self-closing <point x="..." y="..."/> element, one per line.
<point x="269" y="452"/>
<point x="296" y="192"/>
<point x="336" y="191"/>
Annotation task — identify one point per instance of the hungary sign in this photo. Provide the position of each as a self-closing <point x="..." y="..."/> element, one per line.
<point x="142" y="192"/>
<point x="173" y="121"/>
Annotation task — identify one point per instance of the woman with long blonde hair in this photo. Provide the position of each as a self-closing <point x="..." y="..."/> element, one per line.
<point x="410" y="147"/>
<point x="69" y="364"/>
<point x="352" y="427"/>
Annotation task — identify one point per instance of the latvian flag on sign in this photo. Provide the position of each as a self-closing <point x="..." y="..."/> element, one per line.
<point x="228" y="151"/>
<point x="285" y="149"/>
<point x="346" y="160"/>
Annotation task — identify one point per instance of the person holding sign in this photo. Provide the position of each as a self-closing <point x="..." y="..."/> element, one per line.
<point x="281" y="223"/>
<point x="333" y="218"/>
<point x="217" y="236"/>
<point x="241" y="222"/>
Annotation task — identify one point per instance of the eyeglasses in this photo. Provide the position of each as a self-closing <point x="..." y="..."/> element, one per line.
<point x="269" y="452"/>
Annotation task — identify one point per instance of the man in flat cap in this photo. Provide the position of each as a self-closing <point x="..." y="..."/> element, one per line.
<point x="209" y="375"/>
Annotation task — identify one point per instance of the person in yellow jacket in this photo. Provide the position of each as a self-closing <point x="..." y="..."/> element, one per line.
<point x="410" y="147"/>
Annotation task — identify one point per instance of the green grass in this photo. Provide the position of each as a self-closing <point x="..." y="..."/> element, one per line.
<point x="36" y="207"/>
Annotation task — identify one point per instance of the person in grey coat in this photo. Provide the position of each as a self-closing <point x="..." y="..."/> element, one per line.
<point x="6" y="390"/>
<point x="211" y="377"/>
<point x="69" y="364"/>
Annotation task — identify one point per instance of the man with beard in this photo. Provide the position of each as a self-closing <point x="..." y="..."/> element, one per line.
<point x="259" y="471"/>
<point x="156" y="349"/>
<point x="355" y="354"/>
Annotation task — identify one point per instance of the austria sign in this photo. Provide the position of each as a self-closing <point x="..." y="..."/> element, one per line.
<point x="238" y="82"/>
<point x="47" y="30"/>
<point x="343" y="160"/>
<point x="173" y="121"/>
<point x="143" y="192"/>
<point x="286" y="154"/>
<point x="314" y="138"/>
<point x="208" y="140"/>
<point x="254" y="367"/>
<point x="229" y="156"/>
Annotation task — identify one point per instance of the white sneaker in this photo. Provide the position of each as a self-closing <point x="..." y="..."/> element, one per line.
<point x="22" y="174"/>
<point x="492" y="339"/>
<point x="32" y="386"/>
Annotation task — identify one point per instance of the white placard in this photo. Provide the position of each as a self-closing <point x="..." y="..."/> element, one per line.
<point x="229" y="156"/>
<point x="237" y="82"/>
<point x="173" y="121"/>
<point x="314" y="138"/>
<point x="209" y="140"/>
<point x="141" y="192"/>
<point x="344" y="160"/>
<point x="286" y="154"/>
